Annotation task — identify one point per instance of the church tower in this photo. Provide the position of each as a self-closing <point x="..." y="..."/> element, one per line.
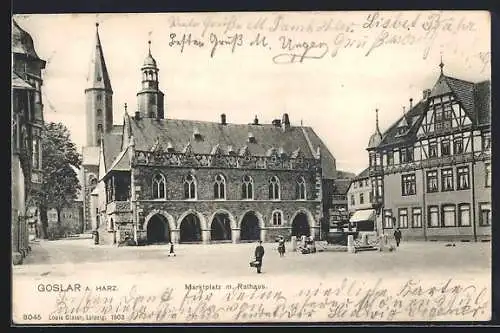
<point x="98" y="97"/>
<point x="150" y="98"/>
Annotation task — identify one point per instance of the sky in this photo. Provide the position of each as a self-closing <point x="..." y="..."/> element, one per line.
<point x="355" y="62"/>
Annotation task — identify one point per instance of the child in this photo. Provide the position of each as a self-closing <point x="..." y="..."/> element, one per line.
<point x="171" y="253"/>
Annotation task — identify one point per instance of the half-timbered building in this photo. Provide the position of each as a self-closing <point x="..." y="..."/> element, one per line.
<point x="431" y="170"/>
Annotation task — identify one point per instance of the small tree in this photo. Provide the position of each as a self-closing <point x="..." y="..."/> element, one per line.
<point x="60" y="184"/>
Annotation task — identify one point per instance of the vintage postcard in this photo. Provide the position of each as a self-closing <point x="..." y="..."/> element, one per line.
<point x="253" y="167"/>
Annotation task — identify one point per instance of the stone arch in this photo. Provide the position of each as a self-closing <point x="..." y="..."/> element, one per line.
<point x="260" y="218"/>
<point x="201" y="217"/>
<point x="233" y="221"/>
<point x="167" y="216"/>
<point x="310" y="219"/>
<point x="252" y="227"/>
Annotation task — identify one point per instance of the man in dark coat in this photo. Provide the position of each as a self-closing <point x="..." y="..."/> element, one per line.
<point x="259" y="254"/>
<point x="397" y="236"/>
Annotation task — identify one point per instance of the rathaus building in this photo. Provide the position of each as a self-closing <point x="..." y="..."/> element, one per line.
<point x="156" y="179"/>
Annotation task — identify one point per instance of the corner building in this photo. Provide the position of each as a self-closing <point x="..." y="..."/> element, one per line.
<point x="431" y="170"/>
<point x="189" y="181"/>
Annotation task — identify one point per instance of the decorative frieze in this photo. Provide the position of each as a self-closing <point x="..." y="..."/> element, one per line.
<point x="190" y="159"/>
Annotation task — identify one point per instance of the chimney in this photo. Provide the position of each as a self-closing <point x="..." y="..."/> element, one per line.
<point x="411" y="103"/>
<point x="223" y="119"/>
<point x="256" y="120"/>
<point x="285" y="123"/>
<point x="276" y="123"/>
<point x="137" y="115"/>
<point x="426" y="94"/>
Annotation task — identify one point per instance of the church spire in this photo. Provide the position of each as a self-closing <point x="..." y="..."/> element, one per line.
<point x="98" y="77"/>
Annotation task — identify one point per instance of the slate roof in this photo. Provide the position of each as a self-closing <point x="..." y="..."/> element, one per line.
<point x="98" y="76"/>
<point x="19" y="83"/>
<point x="341" y="186"/>
<point x="345" y="174"/>
<point x="22" y="42"/>
<point x="121" y="162"/>
<point x="90" y="155"/>
<point x="112" y="146"/>
<point x="475" y="98"/>
<point x="179" y="133"/>
<point x="363" y="174"/>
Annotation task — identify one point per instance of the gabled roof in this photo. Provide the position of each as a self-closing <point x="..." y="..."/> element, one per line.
<point x="121" y="162"/>
<point x="475" y="98"/>
<point x="341" y="186"/>
<point x="413" y="117"/>
<point x="111" y="147"/>
<point x="90" y="156"/>
<point x="180" y="133"/>
<point x="363" y="174"/>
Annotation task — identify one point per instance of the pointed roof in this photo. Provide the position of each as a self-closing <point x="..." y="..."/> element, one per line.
<point x="376" y="137"/>
<point x="22" y="42"/>
<point x="149" y="61"/>
<point x="98" y="77"/>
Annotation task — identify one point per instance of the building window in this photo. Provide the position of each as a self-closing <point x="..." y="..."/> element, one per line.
<point x="486" y="141"/>
<point x="353" y="200"/>
<point x="366" y="182"/>
<point x="300" y="189"/>
<point x="487" y="172"/>
<point x="371" y="196"/>
<point x="403" y="218"/>
<point x="390" y="158"/>
<point x="99" y="97"/>
<point x="433" y="216"/>
<point x="159" y="185"/>
<point x="443" y="116"/>
<point x="416" y="218"/>
<point x="274" y="188"/>
<point x="432" y="149"/>
<point x="277" y="218"/>
<point x="407" y="155"/>
<point x="379" y="187"/>
<point x="445" y="147"/>
<point x="463" y="178"/>
<point x="408" y="184"/>
<point x="190" y="187"/>
<point x="220" y="187"/>
<point x="361" y="199"/>
<point x="458" y="146"/>
<point x="99" y="128"/>
<point x="99" y="113"/>
<point x="432" y="181"/>
<point x="464" y="215"/>
<point x="449" y="219"/>
<point x="485" y="214"/>
<point x="447" y="180"/>
<point x="388" y="222"/>
<point x="247" y="188"/>
<point x="360" y="184"/>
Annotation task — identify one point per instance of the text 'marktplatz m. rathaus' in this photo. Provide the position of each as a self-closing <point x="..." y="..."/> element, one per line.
<point x="158" y="179"/>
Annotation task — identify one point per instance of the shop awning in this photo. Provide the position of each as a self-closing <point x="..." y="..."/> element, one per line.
<point x="363" y="215"/>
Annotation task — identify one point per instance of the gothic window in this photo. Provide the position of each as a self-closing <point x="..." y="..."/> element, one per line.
<point x="159" y="185"/>
<point x="277" y="218"/>
<point x="190" y="187"/>
<point x="99" y="128"/>
<point x="274" y="188"/>
<point x="247" y="187"/>
<point x="99" y="97"/>
<point x="300" y="189"/>
<point x="99" y="113"/>
<point x="220" y="187"/>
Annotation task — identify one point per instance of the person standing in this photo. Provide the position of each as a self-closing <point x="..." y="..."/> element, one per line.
<point x="171" y="253"/>
<point x="259" y="255"/>
<point x="397" y="236"/>
<point x="281" y="246"/>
